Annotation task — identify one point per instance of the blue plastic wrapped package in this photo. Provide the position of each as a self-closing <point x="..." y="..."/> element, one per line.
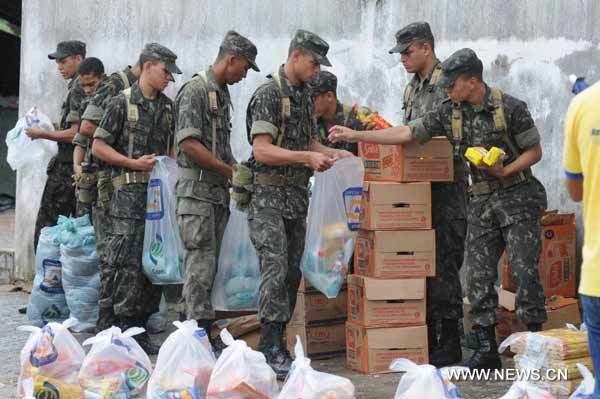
<point x="162" y="258"/>
<point x="238" y="274"/>
<point x="47" y="300"/>
<point x="332" y="218"/>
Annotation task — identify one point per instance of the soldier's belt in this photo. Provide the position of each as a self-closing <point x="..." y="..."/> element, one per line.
<point x="279" y="180"/>
<point x="131" y="178"/>
<point x="488" y="187"/>
<point x="202" y="175"/>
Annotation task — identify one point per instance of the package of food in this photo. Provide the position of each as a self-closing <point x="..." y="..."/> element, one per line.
<point x="569" y="366"/>
<point x="559" y="343"/>
<point x="494" y="155"/>
<point x="475" y="155"/>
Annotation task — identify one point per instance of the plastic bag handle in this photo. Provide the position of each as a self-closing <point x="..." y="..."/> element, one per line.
<point x="70" y="322"/>
<point x="31" y="329"/>
<point x="403" y="365"/>
<point x="588" y="382"/>
<point x="227" y="338"/>
<point x="187" y="327"/>
<point x="301" y="360"/>
<point x="101" y="336"/>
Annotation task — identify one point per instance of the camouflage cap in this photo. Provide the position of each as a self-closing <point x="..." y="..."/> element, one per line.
<point x="462" y="62"/>
<point x="67" y="48"/>
<point x="160" y="53"/>
<point x="325" y="82"/>
<point x="313" y="43"/>
<point x="241" y="46"/>
<point x="410" y="33"/>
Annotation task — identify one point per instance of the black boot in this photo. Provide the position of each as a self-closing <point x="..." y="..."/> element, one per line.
<point x="432" y="335"/>
<point x="106" y="319"/>
<point x="272" y="346"/>
<point x="449" y="351"/>
<point x="486" y="356"/>
<point x="534" y="327"/>
<point x="142" y="339"/>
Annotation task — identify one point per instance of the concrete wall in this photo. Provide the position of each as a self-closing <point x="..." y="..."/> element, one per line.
<point x="529" y="47"/>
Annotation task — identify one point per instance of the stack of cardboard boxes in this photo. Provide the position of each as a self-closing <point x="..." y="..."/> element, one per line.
<point x="395" y="252"/>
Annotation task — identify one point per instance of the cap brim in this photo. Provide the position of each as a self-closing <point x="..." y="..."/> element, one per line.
<point x="57" y="55"/>
<point x="322" y="60"/>
<point x="446" y="80"/>
<point x="253" y="65"/>
<point x="173" y="68"/>
<point x="399" y="48"/>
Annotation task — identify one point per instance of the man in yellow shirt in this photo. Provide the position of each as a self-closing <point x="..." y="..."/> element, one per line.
<point x="582" y="167"/>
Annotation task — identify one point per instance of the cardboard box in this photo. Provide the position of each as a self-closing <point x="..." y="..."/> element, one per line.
<point x="557" y="260"/>
<point x="395" y="254"/>
<point x="320" y="340"/>
<point x="371" y="350"/>
<point x="314" y="307"/>
<point x="396" y="206"/>
<point x="432" y="161"/>
<point x="386" y="303"/>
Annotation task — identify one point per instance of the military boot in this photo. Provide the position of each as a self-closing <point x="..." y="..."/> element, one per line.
<point x="449" y="351"/>
<point x="106" y="319"/>
<point x="272" y="346"/>
<point x="142" y="339"/>
<point x="486" y="356"/>
<point x="534" y="327"/>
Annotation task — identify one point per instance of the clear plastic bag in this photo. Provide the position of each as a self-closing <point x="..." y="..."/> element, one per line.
<point x="586" y="389"/>
<point x="306" y="383"/>
<point x="241" y="372"/>
<point x="157" y="322"/>
<point x="238" y="275"/>
<point x="526" y="390"/>
<point x="22" y="150"/>
<point x="332" y="216"/>
<point x="424" y="381"/>
<point x="162" y="258"/>
<point x="184" y="363"/>
<point x="116" y="366"/>
<point x="50" y="361"/>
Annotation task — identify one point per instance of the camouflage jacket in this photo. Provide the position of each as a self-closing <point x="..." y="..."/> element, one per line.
<point x="152" y="134"/>
<point x="342" y="119"/>
<point x="479" y="128"/>
<point x="194" y="120"/>
<point x="70" y="114"/>
<point x="264" y="116"/>
<point x="109" y="88"/>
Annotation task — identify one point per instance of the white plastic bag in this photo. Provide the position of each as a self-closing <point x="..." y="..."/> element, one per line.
<point x="526" y="390"/>
<point x="238" y="275"/>
<point x="116" y="366"/>
<point x="50" y="359"/>
<point x="162" y="259"/>
<point x="587" y="386"/>
<point x="424" y="381"/>
<point x="241" y="370"/>
<point x="332" y="216"/>
<point x="305" y="382"/>
<point x="185" y="362"/>
<point x="22" y="150"/>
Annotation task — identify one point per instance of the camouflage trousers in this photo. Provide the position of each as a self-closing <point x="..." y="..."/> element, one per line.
<point x="201" y="225"/>
<point x="279" y="243"/>
<point x="133" y="295"/>
<point x="58" y="197"/>
<point x="102" y="220"/>
<point x="444" y="292"/>
<point x="508" y="218"/>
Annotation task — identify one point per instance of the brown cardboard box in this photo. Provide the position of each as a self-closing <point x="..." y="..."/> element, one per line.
<point x="557" y="260"/>
<point x="314" y="307"/>
<point x="432" y="161"/>
<point x="386" y="303"/>
<point x="396" y="206"/>
<point x="371" y="350"/>
<point x="319" y="340"/>
<point x="395" y="254"/>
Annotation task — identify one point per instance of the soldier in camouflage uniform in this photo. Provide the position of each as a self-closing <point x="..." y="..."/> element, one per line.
<point x="330" y="111"/>
<point x="284" y="150"/>
<point x="507" y="201"/>
<point x="415" y="43"/>
<point x="203" y="149"/>
<point x="137" y="126"/>
<point x="59" y="194"/>
<point x="110" y="87"/>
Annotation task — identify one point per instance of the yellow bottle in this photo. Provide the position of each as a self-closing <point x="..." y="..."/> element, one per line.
<point x="493" y="156"/>
<point x="475" y="155"/>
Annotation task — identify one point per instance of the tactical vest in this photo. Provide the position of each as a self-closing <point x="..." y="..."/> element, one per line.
<point x="480" y="186"/>
<point x="124" y="79"/>
<point x="409" y="91"/>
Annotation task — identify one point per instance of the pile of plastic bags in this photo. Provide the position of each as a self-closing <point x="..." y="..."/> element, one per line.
<point x="162" y="258"/>
<point x="238" y="275"/>
<point x="330" y="236"/>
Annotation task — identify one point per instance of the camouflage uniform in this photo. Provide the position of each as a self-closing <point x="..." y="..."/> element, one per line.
<point x="501" y="213"/>
<point x="203" y="195"/>
<point x="83" y="206"/>
<point x="134" y="298"/>
<point x="59" y="194"/>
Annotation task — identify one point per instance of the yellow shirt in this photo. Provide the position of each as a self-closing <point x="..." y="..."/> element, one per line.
<point x="581" y="160"/>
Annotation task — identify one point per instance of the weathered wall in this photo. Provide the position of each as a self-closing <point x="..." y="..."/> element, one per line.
<point x="529" y="47"/>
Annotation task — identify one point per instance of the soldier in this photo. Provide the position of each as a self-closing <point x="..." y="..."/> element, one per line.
<point x="59" y="194"/>
<point x="110" y="87"/>
<point x="202" y="139"/>
<point x="415" y="43"/>
<point x="506" y="201"/>
<point x="281" y="125"/>
<point x="330" y="111"/>
<point x="91" y="74"/>
<point x="138" y="125"/>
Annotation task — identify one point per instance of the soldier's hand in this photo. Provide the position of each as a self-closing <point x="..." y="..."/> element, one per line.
<point x="496" y="170"/>
<point x="341" y="133"/>
<point x="35" y="132"/>
<point x="319" y="162"/>
<point x="340" y="154"/>
<point x="145" y="163"/>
